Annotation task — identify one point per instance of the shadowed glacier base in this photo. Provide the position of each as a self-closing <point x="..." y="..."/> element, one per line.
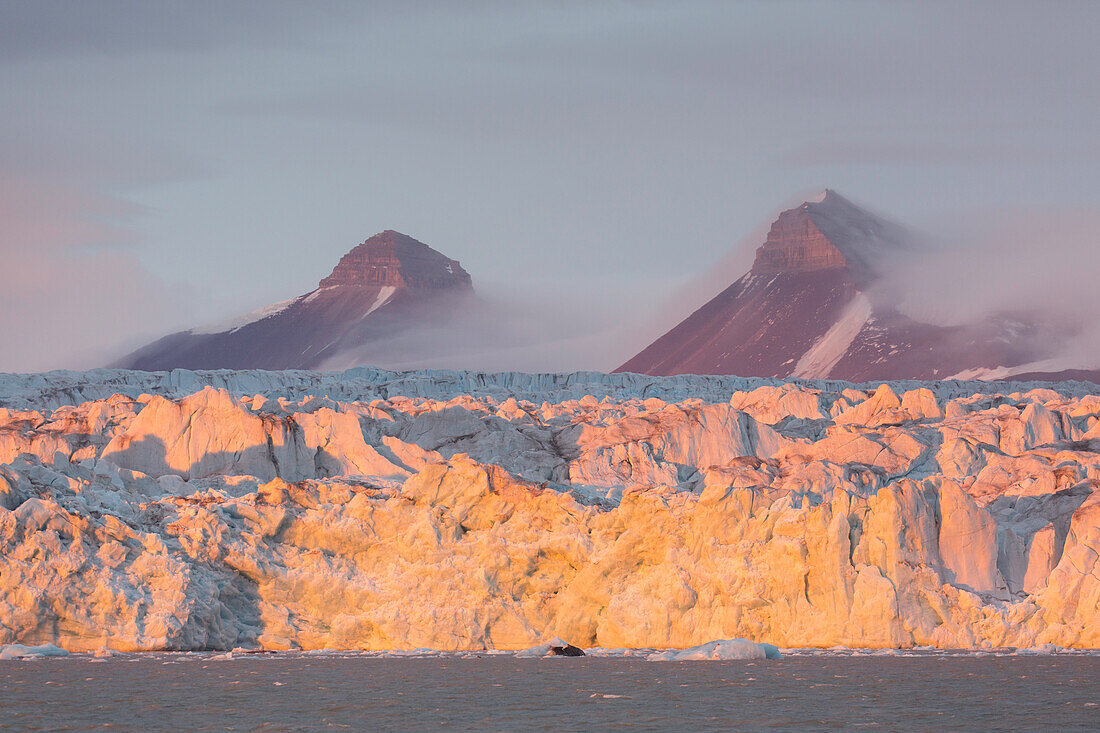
<point x="451" y="510"/>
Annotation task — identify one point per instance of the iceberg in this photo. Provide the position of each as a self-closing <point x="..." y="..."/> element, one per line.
<point x="553" y="648"/>
<point x="19" y="651"/>
<point x="716" y="650"/>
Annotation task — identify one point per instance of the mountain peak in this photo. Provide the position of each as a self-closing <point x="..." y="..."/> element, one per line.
<point x="824" y="232"/>
<point x="816" y="304"/>
<point x="393" y="259"/>
<point x="820" y="197"/>
<point x="379" y="294"/>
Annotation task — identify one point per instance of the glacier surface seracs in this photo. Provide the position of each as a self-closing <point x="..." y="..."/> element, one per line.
<point x="461" y="510"/>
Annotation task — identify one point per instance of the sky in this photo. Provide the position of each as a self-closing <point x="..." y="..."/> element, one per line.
<point x="166" y="164"/>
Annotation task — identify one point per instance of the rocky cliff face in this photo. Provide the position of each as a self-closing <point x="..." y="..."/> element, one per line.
<point x="812" y="307"/>
<point x="801" y="516"/>
<point x="796" y="243"/>
<point x="368" y="310"/>
<point x="392" y="259"/>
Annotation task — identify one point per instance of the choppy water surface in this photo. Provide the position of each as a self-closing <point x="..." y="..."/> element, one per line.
<point x="366" y="691"/>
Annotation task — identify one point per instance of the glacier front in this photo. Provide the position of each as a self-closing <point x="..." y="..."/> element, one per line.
<point x="458" y="510"/>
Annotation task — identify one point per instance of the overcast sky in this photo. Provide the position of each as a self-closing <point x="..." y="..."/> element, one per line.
<point x="167" y="164"/>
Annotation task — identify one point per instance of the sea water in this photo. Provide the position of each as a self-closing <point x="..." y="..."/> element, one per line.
<point x="805" y="690"/>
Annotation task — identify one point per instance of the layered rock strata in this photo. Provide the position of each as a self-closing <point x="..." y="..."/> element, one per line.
<point x="795" y="242"/>
<point x="396" y="260"/>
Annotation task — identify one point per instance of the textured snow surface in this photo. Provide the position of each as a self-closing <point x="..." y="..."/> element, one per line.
<point x="459" y="510"/>
<point x="53" y="389"/>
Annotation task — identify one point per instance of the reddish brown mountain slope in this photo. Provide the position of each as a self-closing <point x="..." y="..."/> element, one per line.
<point x="380" y="292"/>
<point x="809" y="307"/>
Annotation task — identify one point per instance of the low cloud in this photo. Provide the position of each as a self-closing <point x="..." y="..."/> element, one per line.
<point x="1037" y="262"/>
<point x="75" y="287"/>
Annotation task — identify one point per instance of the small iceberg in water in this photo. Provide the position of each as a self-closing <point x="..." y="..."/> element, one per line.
<point x="19" y="651"/>
<point x="720" y="649"/>
<point x="553" y="648"/>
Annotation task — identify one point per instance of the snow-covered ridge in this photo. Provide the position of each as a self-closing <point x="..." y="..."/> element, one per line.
<point x="49" y="390"/>
<point x="239" y="322"/>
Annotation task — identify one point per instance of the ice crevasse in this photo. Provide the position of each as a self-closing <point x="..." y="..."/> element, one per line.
<point x="801" y="514"/>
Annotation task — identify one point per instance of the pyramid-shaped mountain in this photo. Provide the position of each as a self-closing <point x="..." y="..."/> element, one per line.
<point x="375" y="299"/>
<point x="811" y="307"/>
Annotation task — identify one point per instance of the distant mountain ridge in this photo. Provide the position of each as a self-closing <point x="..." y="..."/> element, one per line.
<point x="810" y="308"/>
<point x="380" y="290"/>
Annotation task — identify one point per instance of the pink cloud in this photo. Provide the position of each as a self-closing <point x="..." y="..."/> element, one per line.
<point x="74" y="288"/>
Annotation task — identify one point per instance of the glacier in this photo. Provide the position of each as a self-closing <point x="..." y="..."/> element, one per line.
<point x="372" y="509"/>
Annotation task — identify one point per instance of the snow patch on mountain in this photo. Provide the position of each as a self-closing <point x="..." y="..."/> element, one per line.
<point x="384" y="295"/>
<point x="310" y="297"/>
<point x="986" y="373"/>
<point x="1051" y="366"/>
<point x="235" y="324"/>
<point x="820" y="359"/>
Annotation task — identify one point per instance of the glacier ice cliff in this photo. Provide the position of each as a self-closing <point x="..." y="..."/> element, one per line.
<point x="455" y="510"/>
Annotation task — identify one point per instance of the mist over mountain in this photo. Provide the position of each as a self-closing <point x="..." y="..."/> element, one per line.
<point x="835" y="291"/>
<point x="388" y="299"/>
<point x="823" y="300"/>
